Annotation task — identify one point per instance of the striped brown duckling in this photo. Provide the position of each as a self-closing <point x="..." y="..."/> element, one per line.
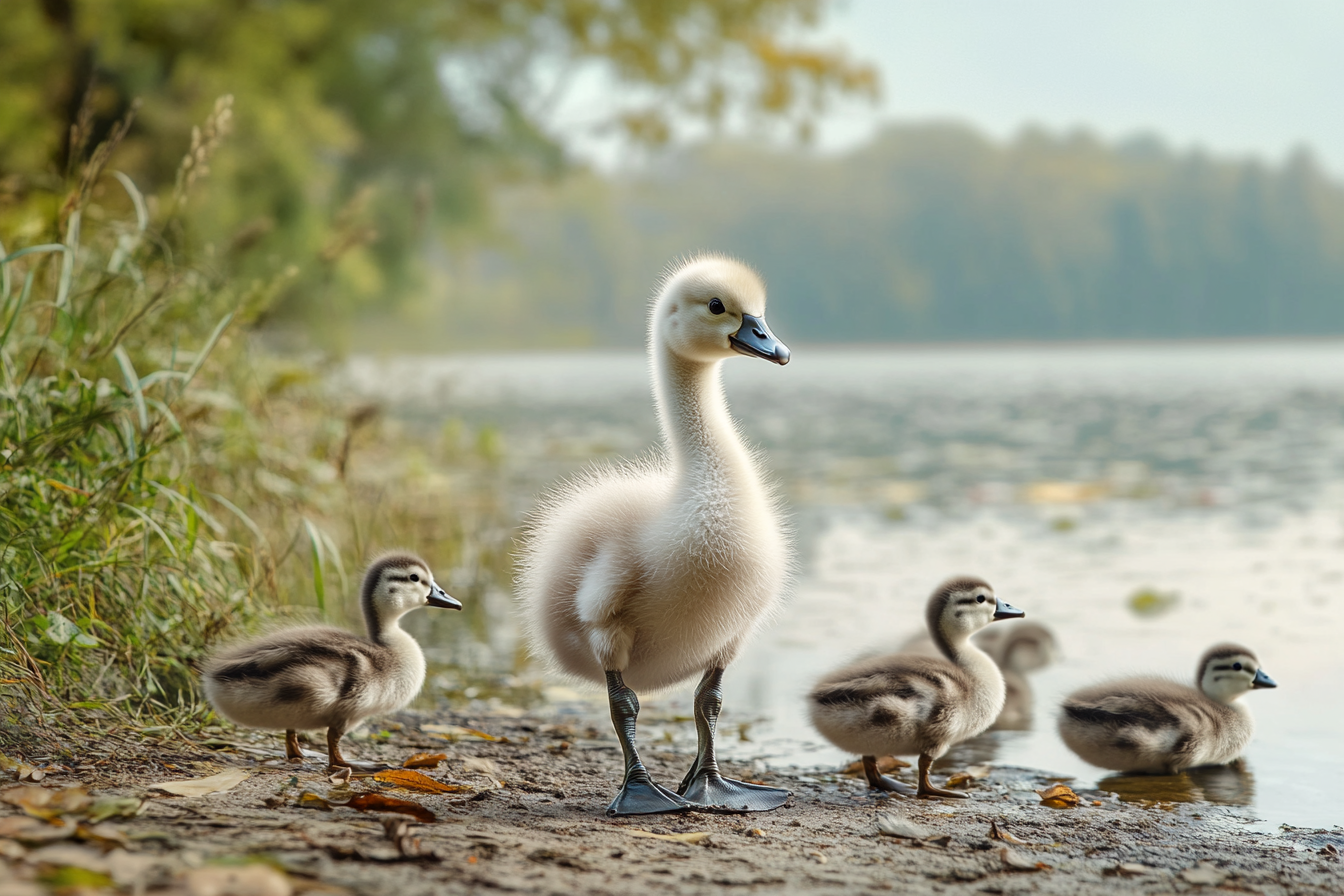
<point x="317" y="676"/>
<point x="1163" y="727"/>
<point x="905" y="703"/>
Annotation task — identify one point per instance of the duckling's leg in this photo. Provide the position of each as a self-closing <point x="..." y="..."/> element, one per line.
<point x="703" y="785"/>
<point x="927" y="789"/>
<point x="879" y="781"/>
<point x="639" y="795"/>
<point x="334" y="757"/>
<point x="292" y="749"/>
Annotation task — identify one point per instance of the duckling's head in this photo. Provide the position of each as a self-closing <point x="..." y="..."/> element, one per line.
<point x="962" y="606"/>
<point x="711" y="306"/>
<point x="396" y="583"/>
<point x="1226" y="671"/>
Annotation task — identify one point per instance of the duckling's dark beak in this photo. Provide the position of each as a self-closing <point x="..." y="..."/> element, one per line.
<point x="439" y="598"/>
<point x="755" y="339"/>
<point x="1262" y="680"/>
<point x="1003" y="610"/>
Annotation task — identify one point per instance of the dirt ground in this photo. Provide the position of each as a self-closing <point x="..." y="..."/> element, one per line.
<point x="529" y="818"/>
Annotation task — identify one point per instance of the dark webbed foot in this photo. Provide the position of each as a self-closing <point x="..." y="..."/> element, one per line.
<point x="879" y="781"/>
<point x="711" y="790"/>
<point x="641" y="796"/>
<point x="704" y="785"/>
<point x="927" y="790"/>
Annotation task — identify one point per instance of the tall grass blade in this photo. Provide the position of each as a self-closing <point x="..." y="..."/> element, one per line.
<point x="319" y="583"/>
<point x="132" y="385"/>
<point x="205" y="350"/>
<point x="68" y="263"/>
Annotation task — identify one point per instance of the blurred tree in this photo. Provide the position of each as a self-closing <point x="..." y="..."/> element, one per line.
<point x="387" y="120"/>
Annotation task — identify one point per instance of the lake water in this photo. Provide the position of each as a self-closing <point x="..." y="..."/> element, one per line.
<point x="1070" y="477"/>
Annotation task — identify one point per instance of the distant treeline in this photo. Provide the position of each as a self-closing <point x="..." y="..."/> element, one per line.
<point x="932" y="232"/>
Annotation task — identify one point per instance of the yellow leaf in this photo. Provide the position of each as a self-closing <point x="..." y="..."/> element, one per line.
<point x="425" y="760"/>
<point x="453" y="732"/>
<point x="413" y="780"/>
<point x="1060" y="796"/>
<point x="310" y="800"/>
<point x="225" y="780"/>
<point x="691" y="837"/>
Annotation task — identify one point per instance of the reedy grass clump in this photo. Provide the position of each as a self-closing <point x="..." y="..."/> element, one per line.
<point x="162" y="483"/>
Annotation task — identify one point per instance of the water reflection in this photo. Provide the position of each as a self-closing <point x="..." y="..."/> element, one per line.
<point x="1224" y="785"/>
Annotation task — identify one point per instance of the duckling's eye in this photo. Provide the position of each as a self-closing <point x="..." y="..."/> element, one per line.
<point x="414" y="577"/>
<point x="1237" y="666"/>
<point x="716" y="306"/>
<point x="979" y="598"/>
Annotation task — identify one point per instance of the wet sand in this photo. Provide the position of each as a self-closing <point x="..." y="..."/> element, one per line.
<point x="530" y="819"/>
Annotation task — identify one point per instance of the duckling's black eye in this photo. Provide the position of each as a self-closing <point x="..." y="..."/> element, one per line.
<point x="716" y="306"/>
<point x="1237" y="666"/>
<point x="980" y="598"/>
<point x="414" y="577"/>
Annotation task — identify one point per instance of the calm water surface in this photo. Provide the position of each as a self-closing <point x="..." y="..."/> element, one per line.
<point x="1070" y="477"/>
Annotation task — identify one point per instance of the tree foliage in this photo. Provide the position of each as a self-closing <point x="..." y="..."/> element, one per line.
<point x="934" y="232"/>
<point x="364" y="130"/>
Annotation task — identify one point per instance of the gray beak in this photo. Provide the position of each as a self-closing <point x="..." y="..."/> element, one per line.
<point x="1262" y="680"/>
<point x="755" y="339"/>
<point x="439" y="598"/>
<point x="1003" y="610"/>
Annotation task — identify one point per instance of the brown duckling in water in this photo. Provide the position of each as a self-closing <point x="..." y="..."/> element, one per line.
<point x="317" y="676"/>
<point x="1164" y="727"/>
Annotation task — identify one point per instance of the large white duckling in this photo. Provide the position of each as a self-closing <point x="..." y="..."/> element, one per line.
<point x="1164" y="727"/>
<point x="317" y="676"/>
<point x="907" y="703"/>
<point x="645" y="574"/>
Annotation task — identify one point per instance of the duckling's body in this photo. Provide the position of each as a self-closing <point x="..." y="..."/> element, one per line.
<point x="323" y="677"/>
<point x="906" y="703"/>
<point x="1163" y="727"/>
<point x="1017" y="649"/>
<point x="643" y="575"/>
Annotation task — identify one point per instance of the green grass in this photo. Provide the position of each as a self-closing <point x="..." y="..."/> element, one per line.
<point x="164" y="485"/>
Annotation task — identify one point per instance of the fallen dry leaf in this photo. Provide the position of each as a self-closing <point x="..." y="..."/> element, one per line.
<point x="1205" y="874"/>
<point x="884" y="764"/>
<point x="45" y="802"/>
<point x="34" y="831"/>
<point x="425" y="760"/>
<point x="341" y="775"/>
<point x="1014" y="862"/>
<point x="998" y="833"/>
<point x="1059" y="796"/>
<point x="225" y="780"/>
<point x="691" y="837"/>
<point x="896" y="826"/>
<point x="103" y="835"/>
<point x="413" y="780"/>
<point x="106" y="807"/>
<point x="1128" y="869"/>
<point x="453" y="732"/>
<point x="310" y="800"/>
<point x="377" y="802"/>
<point x="245" y="880"/>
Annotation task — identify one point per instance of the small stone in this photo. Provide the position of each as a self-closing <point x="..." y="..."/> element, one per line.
<point x="1205" y="874"/>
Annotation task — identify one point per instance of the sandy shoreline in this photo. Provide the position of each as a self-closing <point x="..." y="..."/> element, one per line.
<point x="530" y="819"/>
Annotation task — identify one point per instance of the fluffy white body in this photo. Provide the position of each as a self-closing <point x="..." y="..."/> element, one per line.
<point x="662" y="568"/>
<point x="323" y="677"/>
<point x="1163" y="727"/>
<point x="907" y="703"/>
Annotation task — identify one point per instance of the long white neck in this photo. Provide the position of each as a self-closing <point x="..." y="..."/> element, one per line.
<point x="697" y="428"/>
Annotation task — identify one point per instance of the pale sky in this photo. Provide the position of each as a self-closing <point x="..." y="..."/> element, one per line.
<point x="1234" y="77"/>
